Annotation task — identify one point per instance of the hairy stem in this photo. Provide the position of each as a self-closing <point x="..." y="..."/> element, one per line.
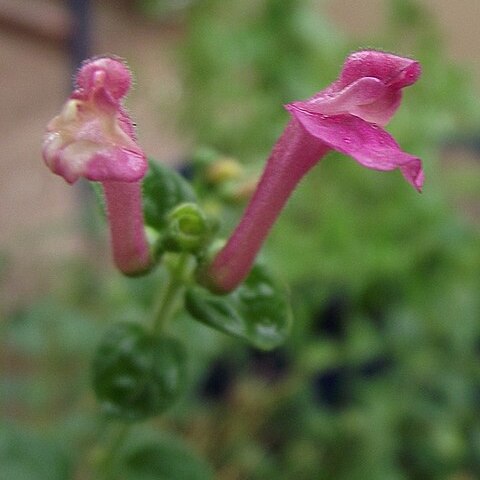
<point x="131" y="251"/>
<point x="171" y="291"/>
<point x="106" y="468"/>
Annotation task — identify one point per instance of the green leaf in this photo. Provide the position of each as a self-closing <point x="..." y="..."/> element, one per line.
<point x="137" y="375"/>
<point x="164" y="459"/>
<point x="163" y="189"/>
<point x="257" y="311"/>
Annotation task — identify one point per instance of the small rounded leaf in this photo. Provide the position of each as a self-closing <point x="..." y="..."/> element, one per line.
<point x="257" y="311"/>
<point x="137" y="375"/>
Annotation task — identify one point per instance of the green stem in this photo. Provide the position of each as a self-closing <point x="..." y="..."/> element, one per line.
<point x="106" y="468"/>
<point x="177" y="276"/>
<point x="171" y="292"/>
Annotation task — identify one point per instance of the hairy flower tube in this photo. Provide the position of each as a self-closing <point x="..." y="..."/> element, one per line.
<point x="348" y="117"/>
<point x="93" y="137"/>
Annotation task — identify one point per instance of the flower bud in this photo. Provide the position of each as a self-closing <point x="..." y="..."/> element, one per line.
<point x="222" y="170"/>
<point x="188" y="229"/>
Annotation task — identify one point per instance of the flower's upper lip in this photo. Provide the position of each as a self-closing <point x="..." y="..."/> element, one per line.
<point x="406" y="76"/>
<point x="371" y="63"/>
<point x="370" y="87"/>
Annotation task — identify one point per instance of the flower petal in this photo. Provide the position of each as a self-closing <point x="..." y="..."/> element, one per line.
<point x="108" y="73"/>
<point x="93" y="136"/>
<point x="363" y="91"/>
<point x="369" y="86"/>
<point x="368" y="144"/>
<point x="390" y="69"/>
<point x="92" y="161"/>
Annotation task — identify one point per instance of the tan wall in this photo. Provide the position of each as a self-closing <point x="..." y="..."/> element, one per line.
<point x="459" y="21"/>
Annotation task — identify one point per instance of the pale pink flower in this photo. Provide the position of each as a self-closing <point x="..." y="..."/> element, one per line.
<point x="93" y="137"/>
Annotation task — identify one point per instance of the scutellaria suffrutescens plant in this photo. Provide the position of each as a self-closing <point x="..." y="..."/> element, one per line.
<point x="93" y="137"/>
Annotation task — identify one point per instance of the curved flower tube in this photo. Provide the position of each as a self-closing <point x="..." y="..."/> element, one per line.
<point x="93" y="137"/>
<point x="348" y="117"/>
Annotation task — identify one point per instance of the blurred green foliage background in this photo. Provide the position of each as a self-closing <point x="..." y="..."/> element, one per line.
<point x="380" y="378"/>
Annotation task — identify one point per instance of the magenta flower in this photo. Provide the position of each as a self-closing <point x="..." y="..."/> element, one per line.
<point x="93" y="137"/>
<point x="348" y="117"/>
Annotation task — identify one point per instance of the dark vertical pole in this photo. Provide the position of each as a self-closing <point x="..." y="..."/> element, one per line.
<point x="80" y="48"/>
<point x="80" y="36"/>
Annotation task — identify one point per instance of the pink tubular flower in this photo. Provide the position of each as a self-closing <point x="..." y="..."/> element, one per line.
<point x="93" y="137"/>
<point x="348" y="117"/>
